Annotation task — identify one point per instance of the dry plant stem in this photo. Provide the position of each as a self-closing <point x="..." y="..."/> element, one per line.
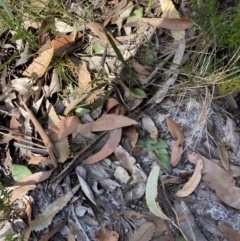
<point x="155" y="71"/>
<point x="53" y="153"/>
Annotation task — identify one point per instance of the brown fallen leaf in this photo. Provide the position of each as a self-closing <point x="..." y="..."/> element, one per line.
<point x="14" y="126"/>
<point x="39" y="65"/>
<point x="39" y="160"/>
<point x="111" y="103"/>
<point x="132" y="135"/>
<point x="106" y="123"/>
<point x="176" y="152"/>
<point x="64" y="128"/>
<point x="74" y="103"/>
<point x="193" y="182"/>
<point x="174" y="129"/>
<point x="15" y="194"/>
<point x="169" y="23"/>
<point x="108" y="148"/>
<point x="71" y="236"/>
<point x="223" y="154"/>
<point x="98" y="29"/>
<point x="48" y="235"/>
<point x="143" y="233"/>
<point x="35" y="178"/>
<point x="150" y="127"/>
<point x="46" y="140"/>
<point x="107" y="235"/>
<point x="139" y="68"/>
<point x="229" y="233"/>
<point x="219" y="180"/>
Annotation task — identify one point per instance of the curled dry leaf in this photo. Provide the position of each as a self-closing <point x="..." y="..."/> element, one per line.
<point x="64" y="128"/>
<point x="193" y="182"/>
<point x="143" y="233"/>
<point x="229" y="233"/>
<point x="35" y="178"/>
<point x="40" y="64"/>
<point x="108" y="148"/>
<point x="169" y="23"/>
<point x="106" y="123"/>
<point x="45" y="219"/>
<point x="219" y="180"/>
<point x="150" y="127"/>
<point x="111" y="103"/>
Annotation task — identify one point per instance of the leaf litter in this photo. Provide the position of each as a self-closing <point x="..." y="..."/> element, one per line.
<point x="106" y="149"/>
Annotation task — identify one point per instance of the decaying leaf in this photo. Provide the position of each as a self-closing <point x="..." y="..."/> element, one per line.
<point x="223" y="154"/>
<point x="64" y="128"/>
<point x="151" y="193"/>
<point x="150" y="127"/>
<point x="107" y="149"/>
<point x="143" y="233"/>
<point x="219" y="180"/>
<point x="229" y="233"/>
<point x="174" y="129"/>
<point x="39" y="65"/>
<point x="15" y="194"/>
<point x="132" y="135"/>
<point x="106" y="123"/>
<point x="45" y="219"/>
<point x="107" y="235"/>
<point x="63" y="149"/>
<point x="35" y="178"/>
<point x="192" y="183"/>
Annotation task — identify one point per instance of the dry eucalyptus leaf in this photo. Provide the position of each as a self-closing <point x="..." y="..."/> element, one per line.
<point x="139" y="68"/>
<point x="107" y="235"/>
<point x="107" y="149"/>
<point x="193" y="182"/>
<point x="53" y="118"/>
<point x="39" y="65"/>
<point x="150" y="127"/>
<point x="229" y="233"/>
<point x="219" y="180"/>
<point x="22" y="85"/>
<point x="132" y="135"/>
<point x="143" y="233"/>
<point x="84" y="78"/>
<point x="151" y="193"/>
<point x="169" y="23"/>
<point x="223" y="154"/>
<point x="15" y="194"/>
<point x="45" y="219"/>
<point x="39" y="160"/>
<point x="176" y="152"/>
<point x="106" y="123"/>
<point x="174" y="129"/>
<point x="63" y="149"/>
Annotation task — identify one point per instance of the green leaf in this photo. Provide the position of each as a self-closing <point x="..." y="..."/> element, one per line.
<point x="141" y="143"/>
<point x="81" y="111"/>
<point x="151" y="193"/>
<point x="163" y="160"/>
<point x="151" y="145"/>
<point x="161" y="151"/>
<point x="136" y="14"/>
<point x="98" y="49"/>
<point x="180" y="238"/>
<point x="138" y="93"/>
<point x="19" y="172"/>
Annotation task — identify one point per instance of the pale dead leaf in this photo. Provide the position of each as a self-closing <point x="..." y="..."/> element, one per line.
<point x="143" y="233"/>
<point x="132" y="135"/>
<point x="85" y="188"/>
<point x="63" y="149"/>
<point x="84" y="78"/>
<point x="107" y="149"/>
<point x="122" y="175"/>
<point x="55" y="83"/>
<point x="53" y="118"/>
<point x="38" y="160"/>
<point x="219" y="180"/>
<point x="139" y="68"/>
<point x="73" y="104"/>
<point x="193" y="182"/>
<point x="107" y="235"/>
<point x="39" y="65"/>
<point x="169" y="23"/>
<point x="15" y="194"/>
<point x="47" y="142"/>
<point x="21" y="85"/>
<point x="106" y="123"/>
<point x="35" y="178"/>
<point x="223" y="154"/>
<point x="71" y="236"/>
<point x="98" y="29"/>
<point x="48" y="235"/>
<point x="64" y="128"/>
<point x="174" y="129"/>
<point x="229" y="233"/>
<point x="150" y="127"/>
<point x="45" y="219"/>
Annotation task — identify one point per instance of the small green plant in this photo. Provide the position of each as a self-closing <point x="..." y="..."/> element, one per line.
<point x="229" y="87"/>
<point x="4" y="201"/>
<point x="159" y="150"/>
